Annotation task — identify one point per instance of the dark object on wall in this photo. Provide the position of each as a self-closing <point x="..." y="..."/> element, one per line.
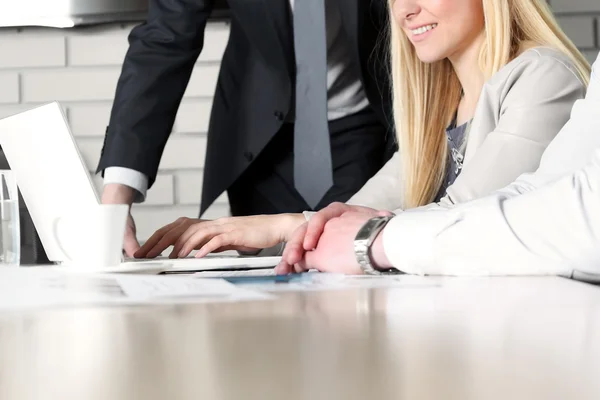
<point x="32" y="251"/>
<point x="71" y="13"/>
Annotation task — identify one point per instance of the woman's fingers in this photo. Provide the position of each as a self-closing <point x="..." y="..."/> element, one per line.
<point x="201" y="236"/>
<point x="162" y="238"/>
<point x="223" y="242"/>
<point x="165" y="241"/>
<point x="228" y="239"/>
<point x="178" y="246"/>
<point x="153" y="240"/>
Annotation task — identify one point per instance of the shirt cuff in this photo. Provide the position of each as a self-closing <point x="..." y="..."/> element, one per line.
<point x="409" y="239"/>
<point x="128" y="177"/>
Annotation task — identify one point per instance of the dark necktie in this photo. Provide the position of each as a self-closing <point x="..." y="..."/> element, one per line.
<point x="313" y="174"/>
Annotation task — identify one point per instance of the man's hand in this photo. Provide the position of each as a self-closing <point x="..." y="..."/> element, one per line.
<point x="306" y="237"/>
<point x="115" y="193"/>
<point x="335" y="250"/>
<point x="318" y="221"/>
<point x="130" y="242"/>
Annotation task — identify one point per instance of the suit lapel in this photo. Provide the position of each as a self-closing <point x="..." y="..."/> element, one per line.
<point x="265" y="25"/>
<point x="282" y="22"/>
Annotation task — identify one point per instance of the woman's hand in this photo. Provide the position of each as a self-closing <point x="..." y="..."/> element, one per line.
<point x="233" y="233"/>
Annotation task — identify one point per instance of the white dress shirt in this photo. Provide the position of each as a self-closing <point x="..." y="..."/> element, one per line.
<point x="345" y="94"/>
<point x="544" y="223"/>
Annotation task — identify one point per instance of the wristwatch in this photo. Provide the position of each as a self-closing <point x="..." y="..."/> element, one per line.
<point x="362" y="245"/>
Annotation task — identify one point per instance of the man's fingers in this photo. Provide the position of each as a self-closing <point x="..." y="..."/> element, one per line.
<point x="130" y="244"/>
<point x="384" y="213"/>
<point x="299" y="268"/>
<point x="294" y="254"/>
<point x="283" y="268"/>
<point x="310" y="260"/>
<point x="293" y="250"/>
<point x="317" y="222"/>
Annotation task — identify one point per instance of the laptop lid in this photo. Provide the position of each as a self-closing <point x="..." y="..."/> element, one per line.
<point x="54" y="180"/>
<point x="48" y="167"/>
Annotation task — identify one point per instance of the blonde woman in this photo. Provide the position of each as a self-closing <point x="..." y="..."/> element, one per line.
<point x="481" y="87"/>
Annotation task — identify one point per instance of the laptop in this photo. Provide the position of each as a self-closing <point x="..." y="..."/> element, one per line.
<point x="53" y="179"/>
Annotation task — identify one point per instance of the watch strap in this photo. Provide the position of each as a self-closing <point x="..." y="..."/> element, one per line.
<point x="363" y="241"/>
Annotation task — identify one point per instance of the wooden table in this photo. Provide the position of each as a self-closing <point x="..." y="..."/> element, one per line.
<point x="500" y="338"/>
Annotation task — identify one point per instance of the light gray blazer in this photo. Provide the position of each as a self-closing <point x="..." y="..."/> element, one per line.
<point x="520" y="110"/>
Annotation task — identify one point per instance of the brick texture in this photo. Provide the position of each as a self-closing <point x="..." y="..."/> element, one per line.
<point x="80" y="68"/>
<point x="575" y="6"/>
<point x="9" y="87"/>
<point x="580" y="19"/>
<point x="32" y="52"/>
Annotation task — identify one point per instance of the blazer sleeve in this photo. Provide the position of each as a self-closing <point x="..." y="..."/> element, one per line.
<point x="155" y="73"/>
<point x="384" y="190"/>
<point x="537" y="103"/>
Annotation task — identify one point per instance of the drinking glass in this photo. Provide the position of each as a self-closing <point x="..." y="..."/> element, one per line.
<point x="10" y="232"/>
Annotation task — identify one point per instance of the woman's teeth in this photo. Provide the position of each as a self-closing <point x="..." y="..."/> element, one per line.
<point x="423" y="29"/>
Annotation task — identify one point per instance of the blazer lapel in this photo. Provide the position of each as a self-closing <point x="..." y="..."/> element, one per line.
<point x="264" y="23"/>
<point x="281" y="20"/>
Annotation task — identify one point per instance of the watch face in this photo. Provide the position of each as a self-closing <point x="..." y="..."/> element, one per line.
<point x="365" y="231"/>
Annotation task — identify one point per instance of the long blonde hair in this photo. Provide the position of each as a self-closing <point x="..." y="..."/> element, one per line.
<point x="426" y="96"/>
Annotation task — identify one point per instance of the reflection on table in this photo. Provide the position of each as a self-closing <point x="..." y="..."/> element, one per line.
<point x="501" y="338"/>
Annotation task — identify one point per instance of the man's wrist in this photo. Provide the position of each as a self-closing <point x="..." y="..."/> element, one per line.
<point x="116" y="193"/>
<point x="364" y="242"/>
<point x="377" y="253"/>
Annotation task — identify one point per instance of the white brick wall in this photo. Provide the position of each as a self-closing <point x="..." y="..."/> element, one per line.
<point x="581" y="21"/>
<point x="80" y="68"/>
<point x="9" y="84"/>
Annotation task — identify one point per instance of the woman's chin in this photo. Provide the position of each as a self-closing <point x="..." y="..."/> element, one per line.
<point x="429" y="57"/>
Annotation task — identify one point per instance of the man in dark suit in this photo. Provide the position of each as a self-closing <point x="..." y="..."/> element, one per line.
<point x="301" y="115"/>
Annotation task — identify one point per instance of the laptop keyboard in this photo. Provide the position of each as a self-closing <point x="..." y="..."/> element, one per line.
<point x="220" y="274"/>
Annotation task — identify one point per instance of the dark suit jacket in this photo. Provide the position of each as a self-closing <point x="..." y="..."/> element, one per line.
<point x="255" y="89"/>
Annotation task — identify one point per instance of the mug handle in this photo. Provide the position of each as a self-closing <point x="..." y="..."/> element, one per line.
<point x="57" y="238"/>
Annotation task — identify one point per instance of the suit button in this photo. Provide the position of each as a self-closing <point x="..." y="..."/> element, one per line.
<point x="249" y="156"/>
<point x="278" y="115"/>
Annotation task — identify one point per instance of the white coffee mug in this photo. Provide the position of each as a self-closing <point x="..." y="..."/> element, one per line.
<point x="92" y="236"/>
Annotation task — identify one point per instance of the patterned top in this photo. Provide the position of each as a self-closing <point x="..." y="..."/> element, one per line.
<point x="456" y="136"/>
